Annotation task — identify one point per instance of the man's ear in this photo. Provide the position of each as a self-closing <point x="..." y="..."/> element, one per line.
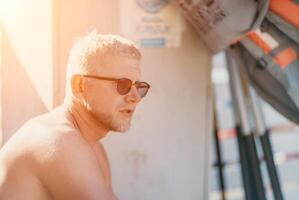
<point x="77" y="85"/>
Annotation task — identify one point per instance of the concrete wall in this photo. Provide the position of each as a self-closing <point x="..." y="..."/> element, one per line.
<point x="164" y="155"/>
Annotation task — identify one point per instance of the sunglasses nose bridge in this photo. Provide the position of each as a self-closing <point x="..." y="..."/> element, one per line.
<point x="133" y="94"/>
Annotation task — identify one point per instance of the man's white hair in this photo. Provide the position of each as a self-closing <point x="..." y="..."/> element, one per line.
<point x="86" y="53"/>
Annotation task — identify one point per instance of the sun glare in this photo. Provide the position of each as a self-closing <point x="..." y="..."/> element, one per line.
<point x="27" y="35"/>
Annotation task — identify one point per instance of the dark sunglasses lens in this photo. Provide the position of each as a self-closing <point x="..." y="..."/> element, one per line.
<point x="142" y="89"/>
<point x="124" y="86"/>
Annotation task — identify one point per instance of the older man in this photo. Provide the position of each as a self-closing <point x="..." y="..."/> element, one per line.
<point x="57" y="155"/>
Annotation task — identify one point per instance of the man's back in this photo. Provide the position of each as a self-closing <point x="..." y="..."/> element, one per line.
<point x="48" y="159"/>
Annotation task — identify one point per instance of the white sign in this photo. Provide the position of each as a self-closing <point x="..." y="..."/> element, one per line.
<point x="151" y="23"/>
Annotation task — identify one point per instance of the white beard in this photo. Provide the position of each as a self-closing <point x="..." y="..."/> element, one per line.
<point x="113" y="123"/>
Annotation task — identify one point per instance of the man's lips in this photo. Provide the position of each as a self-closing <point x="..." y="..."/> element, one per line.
<point x="128" y="111"/>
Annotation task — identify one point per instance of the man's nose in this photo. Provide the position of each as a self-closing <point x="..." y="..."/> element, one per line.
<point x="133" y="95"/>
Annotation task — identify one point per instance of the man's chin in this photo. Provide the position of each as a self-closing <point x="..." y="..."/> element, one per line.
<point x="116" y="125"/>
<point x="121" y="128"/>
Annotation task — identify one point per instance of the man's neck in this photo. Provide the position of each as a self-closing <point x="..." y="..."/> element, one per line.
<point x="90" y="129"/>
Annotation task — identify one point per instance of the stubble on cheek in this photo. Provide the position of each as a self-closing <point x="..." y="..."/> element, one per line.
<point x="114" y="122"/>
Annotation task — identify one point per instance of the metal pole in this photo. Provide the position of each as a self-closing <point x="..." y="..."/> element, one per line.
<point x="252" y="176"/>
<point x="219" y="162"/>
<point x="242" y="153"/>
<point x="263" y="132"/>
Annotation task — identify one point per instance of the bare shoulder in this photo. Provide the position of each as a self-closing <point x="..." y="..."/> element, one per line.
<point x="64" y="146"/>
<point x="48" y="144"/>
<point x="52" y="138"/>
<point x="61" y="146"/>
<point x="59" y="157"/>
<point x="63" y="162"/>
<point x="54" y="155"/>
<point x="69" y="168"/>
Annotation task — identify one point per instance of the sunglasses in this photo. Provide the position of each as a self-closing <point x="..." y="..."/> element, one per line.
<point x="124" y="85"/>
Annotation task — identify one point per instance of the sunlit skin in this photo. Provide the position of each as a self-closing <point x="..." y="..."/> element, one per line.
<point x="58" y="155"/>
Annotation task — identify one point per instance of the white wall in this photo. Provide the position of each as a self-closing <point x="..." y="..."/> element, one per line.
<point x="26" y="61"/>
<point x="164" y="155"/>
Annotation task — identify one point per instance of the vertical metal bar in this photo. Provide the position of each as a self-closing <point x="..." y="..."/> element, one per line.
<point x="244" y="166"/>
<point x="255" y="170"/>
<point x="272" y="171"/>
<point x="252" y="176"/>
<point x="242" y="154"/>
<point x="219" y="162"/>
<point x="239" y="100"/>
<point x="263" y="133"/>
